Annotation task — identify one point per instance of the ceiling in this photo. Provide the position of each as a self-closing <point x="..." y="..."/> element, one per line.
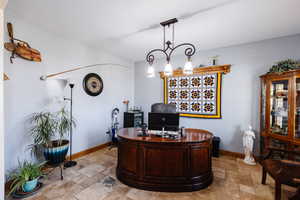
<point x="130" y="28"/>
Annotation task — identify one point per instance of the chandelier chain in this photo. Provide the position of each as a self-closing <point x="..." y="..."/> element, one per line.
<point x="173" y="36"/>
<point x="164" y="38"/>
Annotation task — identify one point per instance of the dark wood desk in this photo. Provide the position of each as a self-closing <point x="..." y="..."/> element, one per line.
<point x="162" y="164"/>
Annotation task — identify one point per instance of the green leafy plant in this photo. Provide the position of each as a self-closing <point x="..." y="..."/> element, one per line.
<point x="25" y="172"/>
<point x="64" y="124"/>
<point x="46" y="126"/>
<point x="284" y="66"/>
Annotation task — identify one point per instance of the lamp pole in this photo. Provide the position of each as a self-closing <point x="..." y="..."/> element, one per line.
<point x="71" y="163"/>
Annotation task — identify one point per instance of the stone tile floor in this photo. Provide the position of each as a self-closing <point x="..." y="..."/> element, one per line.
<point x="233" y="180"/>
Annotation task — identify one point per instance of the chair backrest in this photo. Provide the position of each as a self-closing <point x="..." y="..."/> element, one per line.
<point x="296" y="196"/>
<point x="163" y="108"/>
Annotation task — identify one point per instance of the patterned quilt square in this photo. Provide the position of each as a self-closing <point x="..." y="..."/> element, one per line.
<point x="209" y="80"/>
<point x="195" y="81"/>
<point x="196" y="107"/>
<point x="209" y="107"/>
<point x="196" y="94"/>
<point x="173" y="95"/>
<point x="183" y="106"/>
<point x="183" y="82"/>
<point x="173" y="83"/>
<point x="184" y="94"/>
<point x="209" y="94"/>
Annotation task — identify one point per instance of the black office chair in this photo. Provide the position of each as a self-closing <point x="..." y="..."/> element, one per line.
<point x="163" y="108"/>
<point x="163" y="114"/>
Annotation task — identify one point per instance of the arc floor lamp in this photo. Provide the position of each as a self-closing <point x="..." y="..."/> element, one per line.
<point x="71" y="162"/>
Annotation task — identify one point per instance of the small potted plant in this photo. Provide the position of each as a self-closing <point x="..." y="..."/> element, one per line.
<point x="25" y="178"/>
<point x="49" y="131"/>
<point x="284" y="66"/>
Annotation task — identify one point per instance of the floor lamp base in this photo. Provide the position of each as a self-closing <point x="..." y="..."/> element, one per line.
<point x="70" y="163"/>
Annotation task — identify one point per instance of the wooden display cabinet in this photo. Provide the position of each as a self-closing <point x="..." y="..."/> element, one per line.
<point x="280" y="110"/>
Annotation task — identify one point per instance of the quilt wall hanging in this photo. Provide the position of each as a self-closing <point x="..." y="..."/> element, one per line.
<point x="197" y="95"/>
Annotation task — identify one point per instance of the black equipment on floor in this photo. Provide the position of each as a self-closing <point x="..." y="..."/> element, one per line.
<point x="133" y="119"/>
<point x="216" y="146"/>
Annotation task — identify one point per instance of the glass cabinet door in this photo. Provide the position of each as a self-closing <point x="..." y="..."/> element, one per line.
<point x="279" y="107"/>
<point x="297" y="111"/>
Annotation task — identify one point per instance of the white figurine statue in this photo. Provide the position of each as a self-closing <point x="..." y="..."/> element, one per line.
<point x="248" y="142"/>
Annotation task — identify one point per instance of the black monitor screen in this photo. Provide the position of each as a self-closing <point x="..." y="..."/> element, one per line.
<point x="170" y="121"/>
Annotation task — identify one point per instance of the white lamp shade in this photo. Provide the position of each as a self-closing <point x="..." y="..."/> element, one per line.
<point x="55" y="89"/>
<point x="188" y="68"/>
<point x="150" y="72"/>
<point x="168" y="70"/>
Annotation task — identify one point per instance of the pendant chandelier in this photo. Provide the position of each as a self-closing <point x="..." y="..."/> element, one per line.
<point x="168" y="49"/>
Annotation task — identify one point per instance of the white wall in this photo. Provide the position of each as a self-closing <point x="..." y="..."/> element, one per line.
<point x="240" y="88"/>
<point x="2" y="7"/>
<point x="25" y="93"/>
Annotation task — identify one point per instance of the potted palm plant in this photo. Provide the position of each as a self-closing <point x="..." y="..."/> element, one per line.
<point x="25" y="178"/>
<point x="49" y="131"/>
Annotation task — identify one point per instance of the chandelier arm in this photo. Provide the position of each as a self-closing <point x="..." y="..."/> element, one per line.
<point x="150" y="57"/>
<point x="189" y="51"/>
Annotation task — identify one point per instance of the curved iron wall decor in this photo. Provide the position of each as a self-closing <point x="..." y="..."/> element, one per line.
<point x="168" y="48"/>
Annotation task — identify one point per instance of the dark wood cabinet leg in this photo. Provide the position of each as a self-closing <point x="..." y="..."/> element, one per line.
<point x="264" y="176"/>
<point x="277" y="190"/>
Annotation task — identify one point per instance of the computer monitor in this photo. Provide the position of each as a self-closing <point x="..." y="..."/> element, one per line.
<point x="170" y="121"/>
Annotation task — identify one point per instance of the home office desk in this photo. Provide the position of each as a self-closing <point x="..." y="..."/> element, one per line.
<point x="163" y="164"/>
